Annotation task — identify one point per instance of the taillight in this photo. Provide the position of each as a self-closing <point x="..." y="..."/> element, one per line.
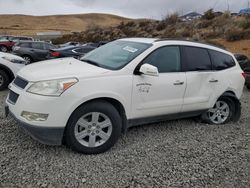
<point x="55" y="54"/>
<point x="244" y="74"/>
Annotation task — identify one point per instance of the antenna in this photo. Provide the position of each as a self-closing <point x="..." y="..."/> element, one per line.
<point x="228" y="6"/>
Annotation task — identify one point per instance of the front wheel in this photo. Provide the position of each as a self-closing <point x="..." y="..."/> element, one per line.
<point x="93" y="128"/>
<point x="4" y="80"/>
<point x="28" y="59"/>
<point x="221" y="113"/>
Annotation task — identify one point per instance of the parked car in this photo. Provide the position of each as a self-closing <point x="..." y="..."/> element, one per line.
<point x="6" y="43"/>
<point x="243" y="60"/>
<point x="21" y="38"/>
<point x="70" y="51"/>
<point x="9" y="66"/>
<point x="247" y="71"/>
<point x="69" y="44"/>
<point x="33" y="51"/>
<point x="88" y="103"/>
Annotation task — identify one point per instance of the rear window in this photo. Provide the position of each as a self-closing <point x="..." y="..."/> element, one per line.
<point x="221" y="60"/>
<point x="196" y="59"/>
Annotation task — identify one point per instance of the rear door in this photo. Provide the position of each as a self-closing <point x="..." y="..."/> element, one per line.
<point x="156" y="96"/>
<point x="201" y="79"/>
<point x="39" y="51"/>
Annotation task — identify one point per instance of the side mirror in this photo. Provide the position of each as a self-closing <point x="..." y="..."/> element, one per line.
<point x="149" y="70"/>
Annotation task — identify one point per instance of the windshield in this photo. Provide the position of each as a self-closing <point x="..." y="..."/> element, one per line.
<point x="115" y="55"/>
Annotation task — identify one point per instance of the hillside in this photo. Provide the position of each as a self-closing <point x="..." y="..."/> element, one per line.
<point x="30" y="25"/>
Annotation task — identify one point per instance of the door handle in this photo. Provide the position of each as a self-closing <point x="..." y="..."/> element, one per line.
<point x="213" y="81"/>
<point x="178" y="83"/>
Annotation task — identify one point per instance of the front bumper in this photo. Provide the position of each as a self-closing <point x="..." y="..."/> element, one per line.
<point x="45" y="135"/>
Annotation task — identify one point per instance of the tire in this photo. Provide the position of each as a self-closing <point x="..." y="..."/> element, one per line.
<point x="4" y="80"/>
<point x="92" y="138"/>
<point x="27" y="58"/>
<point x="221" y="113"/>
<point x="3" y="49"/>
<point x="248" y="87"/>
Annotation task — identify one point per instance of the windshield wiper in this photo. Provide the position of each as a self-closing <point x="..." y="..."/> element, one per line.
<point x="91" y="62"/>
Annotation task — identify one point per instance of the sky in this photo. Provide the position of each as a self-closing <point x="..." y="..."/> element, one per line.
<point x="154" y="9"/>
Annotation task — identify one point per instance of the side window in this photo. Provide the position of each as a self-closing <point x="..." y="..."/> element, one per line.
<point x="196" y="59"/>
<point x="221" y="61"/>
<point x="48" y="46"/>
<point x="166" y="59"/>
<point x="86" y="50"/>
<point x="38" y="45"/>
<point x="25" y="45"/>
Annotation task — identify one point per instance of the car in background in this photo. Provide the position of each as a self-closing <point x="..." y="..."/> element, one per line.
<point x="71" y="51"/>
<point x="21" y="38"/>
<point x="33" y="51"/>
<point x="6" y="43"/>
<point x="9" y="65"/>
<point x="69" y="44"/>
<point x="247" y="72"/>
<point x="243" y="60"/>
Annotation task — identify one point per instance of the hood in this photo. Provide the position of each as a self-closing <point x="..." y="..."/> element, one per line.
<point x="10" y="56"/>
<point x="60" y="68"/>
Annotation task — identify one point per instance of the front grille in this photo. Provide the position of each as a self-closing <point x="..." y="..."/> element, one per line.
<point x="20" y="82"/>
<point x="13" y="97"/>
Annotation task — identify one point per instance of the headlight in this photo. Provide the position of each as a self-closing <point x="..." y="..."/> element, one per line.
<point x="18" y="61"/>
<point x="52" y="87"/>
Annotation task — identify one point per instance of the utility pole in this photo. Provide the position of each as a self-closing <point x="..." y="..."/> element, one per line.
<point x="248" y="3"/>
<point x="228" y="6"/>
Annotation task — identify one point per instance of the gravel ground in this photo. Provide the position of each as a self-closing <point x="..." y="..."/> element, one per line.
<point x="180" y="153"/>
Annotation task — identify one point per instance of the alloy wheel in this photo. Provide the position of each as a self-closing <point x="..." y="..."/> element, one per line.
<point x="219" y="113"/>
<point x="93" y="129"/>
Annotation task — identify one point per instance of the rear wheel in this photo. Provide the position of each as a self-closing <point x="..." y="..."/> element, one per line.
<point x="3" y="49"/>
<point x="4" y="80"/>
<point x="221" y="113"/>
<point x="27" y="58"/>
<point x="93" y="128"/>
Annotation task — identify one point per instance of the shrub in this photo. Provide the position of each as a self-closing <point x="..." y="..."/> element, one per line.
<point x="209" y="15"/>
<point x="234" y="34"/>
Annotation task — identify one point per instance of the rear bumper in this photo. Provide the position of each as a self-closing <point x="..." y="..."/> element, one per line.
<point x="44" y="135"/>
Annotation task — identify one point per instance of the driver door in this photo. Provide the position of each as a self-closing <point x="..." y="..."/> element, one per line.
<point x="163" y="94"/>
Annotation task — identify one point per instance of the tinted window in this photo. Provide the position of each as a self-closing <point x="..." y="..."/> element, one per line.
<point x="38" y="45"/>
<point x="25" y="45"/>
<point x="221" y="61"/>
<point x="49" y="46"/>
<point x="166" y="59"/>
<point x="196" y="59"/>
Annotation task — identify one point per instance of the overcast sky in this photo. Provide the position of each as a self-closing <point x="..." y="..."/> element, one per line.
<point x="156" y="9"/>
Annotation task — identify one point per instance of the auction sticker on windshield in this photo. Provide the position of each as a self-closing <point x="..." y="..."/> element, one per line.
<point x="130" y="49"/>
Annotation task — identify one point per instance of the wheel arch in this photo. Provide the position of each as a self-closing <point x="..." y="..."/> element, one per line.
<point x="8" y="71"/>
<point x="116" y="103"/>
<point x="233" y="97"/>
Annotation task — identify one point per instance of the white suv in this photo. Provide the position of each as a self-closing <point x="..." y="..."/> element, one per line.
<point x="88" y="103"/>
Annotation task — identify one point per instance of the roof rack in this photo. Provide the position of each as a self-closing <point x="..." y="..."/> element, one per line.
<point x="189" y="40"/>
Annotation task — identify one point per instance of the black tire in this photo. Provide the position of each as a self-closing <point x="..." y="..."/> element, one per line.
<point x="4" y="80"/>
<point x="97" y="106"/>
<point x="205" y="117"/>
<point x="3" y="49"/>
<point x="248" y="87"/>
<point x="28" y="59"/>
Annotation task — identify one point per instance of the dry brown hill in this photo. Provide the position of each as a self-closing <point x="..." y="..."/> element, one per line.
<point x="30" y="25"/>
